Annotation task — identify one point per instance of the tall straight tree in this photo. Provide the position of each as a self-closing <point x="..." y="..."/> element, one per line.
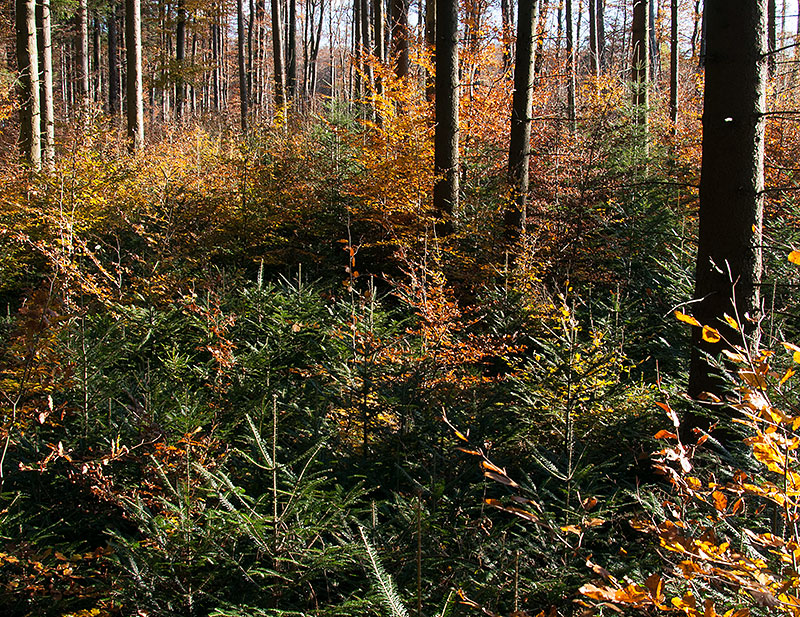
<point x="521" y="109"/>
<point x="83" y="58"/>
<point x="640" y="63"/>
<point x="571" y="114"/>
<point x="728" y="269"/>
<point x="240" y="48"/>
<point x="673" y="66"/>
<point x="114" y="99"/>
<point x="48" y="123"/>
<point x="277" y="58"/>
<point x="400" y="34"/>
<point x="446" y="161"/>
<point x="291" y="51"/>
<point x="28" y="63"/>
<point x="180" y="57"/>
<point x="133" y="53"/>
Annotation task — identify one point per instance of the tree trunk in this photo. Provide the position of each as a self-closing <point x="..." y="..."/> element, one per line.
<point x="505" y="19"/>
<point x="113" y="62"/>
<point x="378" y="29"/>
<point x="594" y="56"/>
<point x="47" y="103"/>
<point x="571" y="114"/>
<point x="97" y="67"/>
<point x="640" y="64"/>
<point x="673" y="67"/>
<point x="521" y="110"/>
<point x="430" y="42"/>
<point x="540" y="36"/>
<point x="30" y="132"/>
<point x="291" y="52"/>
<point x="772" y="39"/>
<point x="277" y="57"/>
<point x="180" y="58"/>
<point x="446" y="162"/>
<point x="652" y="50"/>
<point x="133" y="40"/>
<point x="400" y="36"/>
<point x="728" y="269"/>
<point x="83" y="58"/>
<point x="242" y="65"/>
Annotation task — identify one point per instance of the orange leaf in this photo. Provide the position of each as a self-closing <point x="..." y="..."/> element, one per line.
<point x="710" y="335"/>
<point x="720" y="500"/>
<point x="794" y="257"/>
<point x="680" y="316"/>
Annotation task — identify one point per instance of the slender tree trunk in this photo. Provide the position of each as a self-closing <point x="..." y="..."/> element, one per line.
<point x="505" y="19"/>
<point x="540" y="36"/>
<point x="97" y="67"/>
<point x="180" y="59"/>
<point x="772" y="38"/>
<point x="133" y="40"/>
<point x="28" y="63"/>
<point x="291" y="52"/>
<point x="728" y="270"/>
<point x="430" y="43"/>
<point x="446" y="160"/>
<point x="521" y="111"/>
<point x="378" y="29"/>
<point x="47" y="104"/>
<point x="571" y="113"/>
<point x="652" y="50"/>
<point x="640" y="64"/>
<point x="594" y="56"/>
<point x="83" y="58"/>
<point x="277" y="57"/>
<point x="242" y="64"/>
<point x="113" y="62"/>
<point x="673" y="67"/>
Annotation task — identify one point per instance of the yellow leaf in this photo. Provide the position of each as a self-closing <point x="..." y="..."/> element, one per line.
<point x="731" y="322"/>
<point x="786" y="376"/>
<point x="710" y="335"/>
<point x="734" y="357"/>
<point x="794" y="257"/>
<point x="686" y="318"/>
<point x="720" y="500"/>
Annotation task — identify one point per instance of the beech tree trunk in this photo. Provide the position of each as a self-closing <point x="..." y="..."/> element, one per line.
<point x="291" y="51"/>
<point x="133" y="40"/>
<point x="446" y="161"/>
<point x="728" y="269"/>
<point x="48" y="122"/>
<point x="521" y="109"/>
<point x="30" y="131"/>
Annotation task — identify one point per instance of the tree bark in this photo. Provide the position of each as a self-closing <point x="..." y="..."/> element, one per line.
<point x="83" y="59"/>
<point x="640" y="64"/>
<point x="180" y="59"/>
<point x="521" y="110"/>
<point x="97" y="67"/>
<point x="113" y="62"/>
<point x="571" y="114"/>
<point x="291" y="52"/>
<point x="728" y="269"/>
<point x="673" y="67"/>
<point x="430" y="42"/>
<point x="446" y="160"/>
<point x="772" y="38"/>
<point x="48" y="124"/>
<point x="277" y="58"/>
<point x="30" y="132"/>
<point x="133" y="40"/>
<point x="242" y="64"/>
<point x="400" y="36"/>
<point x="540" y="35"/>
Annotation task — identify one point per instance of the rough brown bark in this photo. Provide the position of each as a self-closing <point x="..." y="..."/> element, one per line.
<point x="728" y="268"/>
<point x="446" y="160"/>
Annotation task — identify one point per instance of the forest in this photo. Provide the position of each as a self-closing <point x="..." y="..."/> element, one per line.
<point x="399" y="308"/>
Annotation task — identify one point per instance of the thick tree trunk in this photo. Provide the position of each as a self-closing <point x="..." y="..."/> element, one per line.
<point x="446" y="161"/>
<point x="378" y="29"/>
<point x="30" y="132"/>
<point x="242" y="65"/>
<point x="521" y="109"/>
<point x="728" y="269"/>
<point x="133" y="40"/>
<point x="400" y="36"/>
<point x="48" y="122"/>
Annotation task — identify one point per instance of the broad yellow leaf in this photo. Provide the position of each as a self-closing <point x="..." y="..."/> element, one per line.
<point x="686" y="318"/>
<point x="710" y="335"/>
<point x="731" y="322"/>
<point x="794" y="257"/>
